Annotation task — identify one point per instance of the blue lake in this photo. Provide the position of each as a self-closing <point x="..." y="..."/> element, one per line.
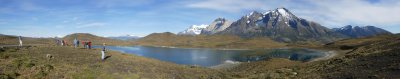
<point x="212" y="57"/>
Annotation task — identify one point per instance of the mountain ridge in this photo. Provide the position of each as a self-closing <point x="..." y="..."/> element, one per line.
<point x="281" y="25"/>
<point x="360" y="31"/>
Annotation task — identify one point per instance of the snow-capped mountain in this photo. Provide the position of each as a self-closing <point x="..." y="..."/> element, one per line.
<point x="193" y="30"/>
<point x="217" y="25"/>
<point x="363" y="31"/>
<point x="126" y="37"/>
<point x="281" y="25"/>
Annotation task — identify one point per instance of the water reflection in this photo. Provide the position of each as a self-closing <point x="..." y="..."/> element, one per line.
<point x="212" y="57"/>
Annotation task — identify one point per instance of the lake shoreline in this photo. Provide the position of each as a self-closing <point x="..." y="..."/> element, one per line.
<point x="203" y="54"/>
<point x="328" y="55"/>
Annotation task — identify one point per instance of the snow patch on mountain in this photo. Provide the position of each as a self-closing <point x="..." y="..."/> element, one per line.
<point x="193" y="30"/>
<point x="283" y="12"/>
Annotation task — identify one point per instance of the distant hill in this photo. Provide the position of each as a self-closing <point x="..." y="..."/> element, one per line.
<point x="206" y="41"/>
<point x="363" y="31"/>
<point x="96" y="40"/>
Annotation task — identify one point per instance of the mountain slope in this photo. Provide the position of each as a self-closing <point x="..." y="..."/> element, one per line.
<point x="373" y="57"/>
<point x="193" y="30"/>
<point x="280" y="25"/>
<point x="357" y="32"/>
<point x="216" y="26"/>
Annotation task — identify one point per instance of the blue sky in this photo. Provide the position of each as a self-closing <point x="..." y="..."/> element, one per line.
<point x="49" y="18"/>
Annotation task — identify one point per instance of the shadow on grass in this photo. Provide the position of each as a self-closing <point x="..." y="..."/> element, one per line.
<point x="106" y="58"/>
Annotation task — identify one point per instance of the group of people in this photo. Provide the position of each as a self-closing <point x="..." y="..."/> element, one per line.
<point x="61" y="42"/>
<point x="86" y="45"/>
<point x="75" y="43"/>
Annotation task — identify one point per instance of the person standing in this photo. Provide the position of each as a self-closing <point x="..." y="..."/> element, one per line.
<point x="65" y="43"/>
<point x="57" y="42"/>
<point x="75" y="43"/>
<point x="62" y="43"/>
<point x="86" y="44"/>
<point x="83" y="44"/>
<point x="90" y="45"/>
<point x="20" y="41"/>
<point x="102" y="52"/>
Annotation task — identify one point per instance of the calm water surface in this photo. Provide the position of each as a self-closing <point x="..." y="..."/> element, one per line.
<point x="211" y="57"/>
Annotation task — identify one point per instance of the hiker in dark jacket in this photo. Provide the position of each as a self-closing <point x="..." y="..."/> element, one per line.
<point x="77" y="43"/>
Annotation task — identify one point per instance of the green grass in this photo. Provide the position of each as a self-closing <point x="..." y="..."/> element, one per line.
<point x="371" y="57"/>
<point x="31" y="62"/>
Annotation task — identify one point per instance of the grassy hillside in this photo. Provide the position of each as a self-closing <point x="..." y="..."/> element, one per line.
<point x="96" y="40"/>
<point x="67" y="62"/>
<point x="371" y="57"/>
<point x="13" y="40"/>
<point x="203" y="41"/>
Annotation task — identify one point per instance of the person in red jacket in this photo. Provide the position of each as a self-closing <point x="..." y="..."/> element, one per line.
<point x="90" y="45"/>
<point x="84" y="44"/>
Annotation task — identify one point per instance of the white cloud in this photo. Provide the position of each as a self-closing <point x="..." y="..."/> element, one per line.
<point x="228" y="5"/>
<point x="91" y="25"/>
<point x="357" y="12"/>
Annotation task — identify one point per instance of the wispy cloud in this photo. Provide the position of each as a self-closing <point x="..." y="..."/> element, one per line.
<point x="228" y="5"/>
<point x="29" y="6"/>
<point x="91" y="25"/>
<point x="359" y="12"/>
<point x="121" y="3"/>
